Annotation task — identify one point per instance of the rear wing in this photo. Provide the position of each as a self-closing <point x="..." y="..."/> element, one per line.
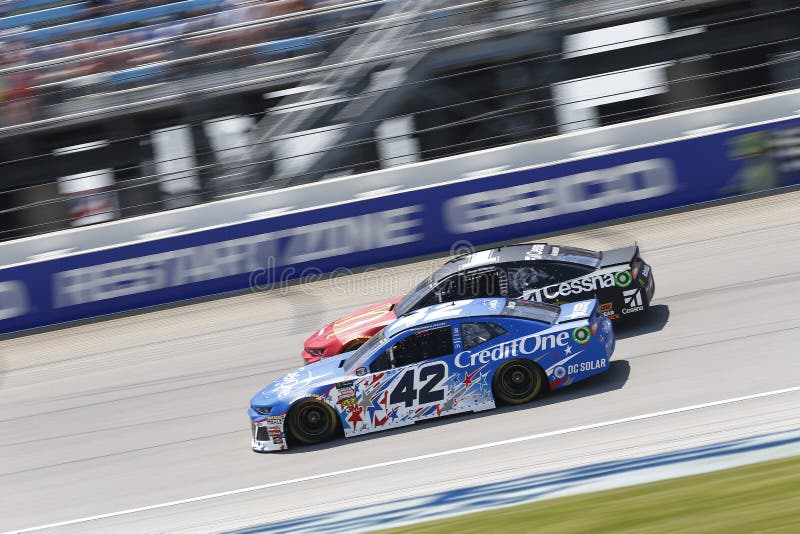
<point x="577" y="311"/>
<point x="619" y="256"/>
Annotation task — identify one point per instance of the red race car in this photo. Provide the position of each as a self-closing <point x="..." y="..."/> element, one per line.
<point x="619" y="279"/>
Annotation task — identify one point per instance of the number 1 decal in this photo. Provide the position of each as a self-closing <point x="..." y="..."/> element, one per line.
<point x="424" y="386"/>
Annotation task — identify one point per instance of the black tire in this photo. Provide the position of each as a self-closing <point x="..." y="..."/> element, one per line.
<point x="518" y="381"/>
<point x="312" y="422"/>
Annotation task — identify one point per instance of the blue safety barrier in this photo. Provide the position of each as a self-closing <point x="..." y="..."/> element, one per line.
<point x="398" y="226"/>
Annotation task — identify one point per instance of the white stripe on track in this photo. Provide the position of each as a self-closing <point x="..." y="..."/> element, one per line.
<point x="471" y="448"/>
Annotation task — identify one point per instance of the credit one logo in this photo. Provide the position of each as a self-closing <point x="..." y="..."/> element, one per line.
<point x="509" y="349"/>
<point x="569" y="194"/>
<point x="13" y="299"/>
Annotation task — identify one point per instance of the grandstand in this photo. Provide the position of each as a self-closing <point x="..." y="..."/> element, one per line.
<point x="119" y="108"/>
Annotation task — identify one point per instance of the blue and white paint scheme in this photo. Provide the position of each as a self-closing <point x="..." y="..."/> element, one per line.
<point x="437" y="361"/>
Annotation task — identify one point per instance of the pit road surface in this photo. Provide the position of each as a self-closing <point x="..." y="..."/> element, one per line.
<point x="150" y="409"/>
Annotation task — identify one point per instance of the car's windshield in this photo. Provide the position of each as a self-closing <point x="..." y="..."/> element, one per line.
<point x="361" y="353"/>
<point x="412" y="297"/>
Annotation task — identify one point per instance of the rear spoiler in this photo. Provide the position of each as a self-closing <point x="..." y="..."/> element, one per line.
<point x="576" y="311"/>
<point x="618" y="256"/>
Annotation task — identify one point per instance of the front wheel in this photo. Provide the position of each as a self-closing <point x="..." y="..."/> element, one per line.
<point x="518" y="382"/>
<point x="312" y="422"/>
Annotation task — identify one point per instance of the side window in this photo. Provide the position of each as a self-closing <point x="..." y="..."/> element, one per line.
<point x="423" y="346"/>
<point x="566" y="271"/>
<point x="526" y="276"/>
<point x="477" y="333"/>
<point x="474" y="284"/>
<point x="533" y="275"/>
<point x="448" y="289"/>
<point x="381" y="363"/>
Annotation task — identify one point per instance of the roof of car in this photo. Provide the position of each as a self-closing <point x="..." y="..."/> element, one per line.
<point x="516" y="253"/>
<point x="427" y="317"/>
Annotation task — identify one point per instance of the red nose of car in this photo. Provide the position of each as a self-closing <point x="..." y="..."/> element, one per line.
<point x="349" y="332"/>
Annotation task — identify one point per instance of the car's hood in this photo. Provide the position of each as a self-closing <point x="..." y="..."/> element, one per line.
<point x="302" y="381"/>
<point x="363" y="322"/>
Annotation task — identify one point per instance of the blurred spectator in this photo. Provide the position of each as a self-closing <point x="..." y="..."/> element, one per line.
<point x="84" y="59"/>
<point x="19" y="99"/>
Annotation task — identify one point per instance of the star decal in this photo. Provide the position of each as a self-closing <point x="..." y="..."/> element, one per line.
<point x="568" y="350"/>
<point x="469" y="376"/>
<point x="376" y="405"/>
<point x="355" y="416"/>
<point x="482" y="381"/>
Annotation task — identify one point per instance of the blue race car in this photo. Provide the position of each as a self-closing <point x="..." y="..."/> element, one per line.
<point x="463" y="356"/>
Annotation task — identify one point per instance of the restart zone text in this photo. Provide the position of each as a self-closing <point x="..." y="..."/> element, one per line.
<point x="463" y="356"/>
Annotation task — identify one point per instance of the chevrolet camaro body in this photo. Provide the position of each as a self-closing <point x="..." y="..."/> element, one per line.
<point x="618" y="278"/>
<point x="448" y="358"/>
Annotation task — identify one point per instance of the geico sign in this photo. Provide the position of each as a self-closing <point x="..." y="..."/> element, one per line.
<point x="569" y="194"/>
<point x="13" y="299"/>
<point x="524" y="345"/>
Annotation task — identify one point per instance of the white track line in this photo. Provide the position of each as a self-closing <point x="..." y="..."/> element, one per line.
<point x="561" y="432"/>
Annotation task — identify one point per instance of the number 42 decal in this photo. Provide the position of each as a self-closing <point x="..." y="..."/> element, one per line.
<point x="420" y="383"/>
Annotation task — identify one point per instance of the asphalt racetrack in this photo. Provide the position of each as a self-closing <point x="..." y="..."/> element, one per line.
<point x="138" y="423"/>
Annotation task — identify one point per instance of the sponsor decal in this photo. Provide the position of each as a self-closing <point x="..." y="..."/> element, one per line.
<point x="623" y="278"/>
<point x="586" y="366"/>
<point x="535" y="252"/>
<point x="277" y="440"/>
<point x="361" y="371"/>
<point x="633" y="299"/>
<point x="585" y="284"/>
<point x="346" y="392"/>
<point x="344" y="385"/>
<point x="580" y="309"/>
<point x="581" y="335"/>
<point x="509" y="349"/>
<point x="554" y="251"/>
<point x="607" y="309"/>
<point x="275" y="420"/>
<point x="645" y="271"/>
<point x="559" y="372"/>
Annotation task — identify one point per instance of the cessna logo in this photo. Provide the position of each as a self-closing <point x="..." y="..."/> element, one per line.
<point x="510" y="349"/>
<point x="588" y="284"/>
<point x="633" y="301"/>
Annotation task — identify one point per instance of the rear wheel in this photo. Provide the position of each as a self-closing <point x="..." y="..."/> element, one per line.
<point x="518" y="381"/>
<point x="312" y="422"/>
